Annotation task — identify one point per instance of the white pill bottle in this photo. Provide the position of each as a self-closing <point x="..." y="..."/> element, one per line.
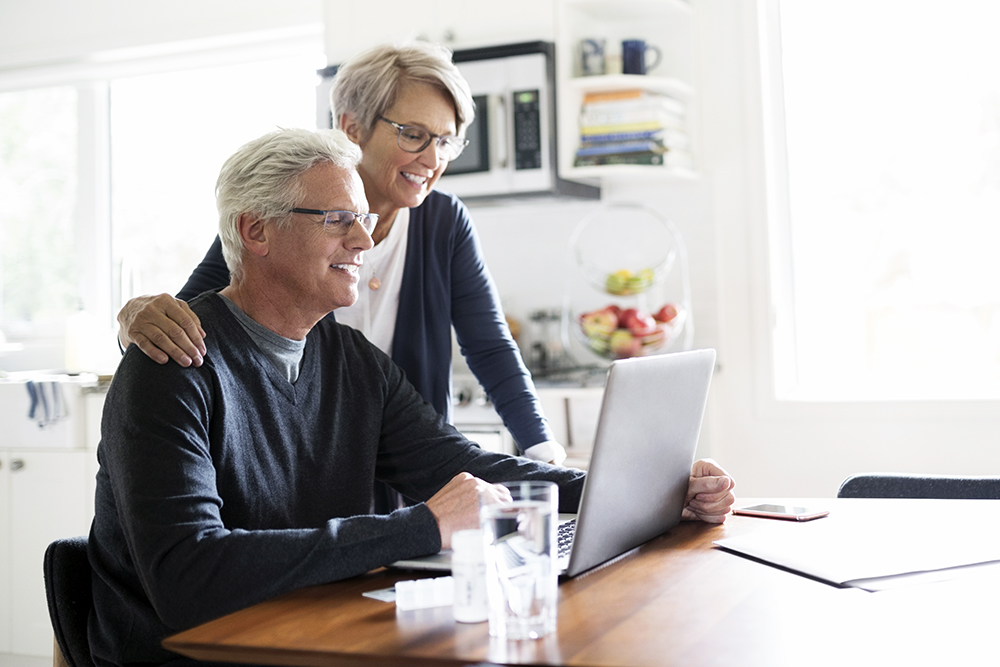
<point x="468" y="570"/>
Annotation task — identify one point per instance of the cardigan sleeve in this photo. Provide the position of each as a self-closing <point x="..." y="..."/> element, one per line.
<point x="419" y="452"/>
<point x="485" y="338"/>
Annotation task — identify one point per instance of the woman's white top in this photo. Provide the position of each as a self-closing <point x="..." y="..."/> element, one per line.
<point x="374" y="313"/>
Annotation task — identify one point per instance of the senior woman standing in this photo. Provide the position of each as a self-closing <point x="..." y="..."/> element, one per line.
<point x="407" y="108"/>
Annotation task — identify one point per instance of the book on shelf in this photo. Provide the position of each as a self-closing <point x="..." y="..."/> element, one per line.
<point x="607" y="147"/>
<point x="651" y="103"/>
<point x="612" y="95"/>
<point x="671" y="138"/>
<point x="666" y="118"/>
<point x="622" y="94"/>
<point x="678" y="159"/>
<point x="588" y="131"/>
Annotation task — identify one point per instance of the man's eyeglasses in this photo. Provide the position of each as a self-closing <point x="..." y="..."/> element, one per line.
<point x="413" y="139"/>
<point x="339" y="223"/>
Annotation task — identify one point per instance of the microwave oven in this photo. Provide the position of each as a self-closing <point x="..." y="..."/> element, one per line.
<point x="512" y="141"/>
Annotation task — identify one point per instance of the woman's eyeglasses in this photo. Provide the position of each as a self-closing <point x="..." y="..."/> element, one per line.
<point x="413" y="139"/>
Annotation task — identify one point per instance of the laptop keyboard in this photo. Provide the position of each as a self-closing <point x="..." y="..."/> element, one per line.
<point x="564" y="538"/>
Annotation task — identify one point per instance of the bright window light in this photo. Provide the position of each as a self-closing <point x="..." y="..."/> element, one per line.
<point x="39" y="271"/>
<point x="893" y="145"/>
<point x="170" y="134"/>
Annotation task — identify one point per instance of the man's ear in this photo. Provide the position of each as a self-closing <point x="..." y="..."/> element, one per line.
<point x="253" y="234"/>
<point x="352" y="128"/>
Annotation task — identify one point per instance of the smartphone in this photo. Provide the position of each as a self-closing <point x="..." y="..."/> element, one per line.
<point x="789" y="512"/>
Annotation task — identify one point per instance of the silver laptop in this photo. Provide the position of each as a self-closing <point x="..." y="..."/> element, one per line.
<point x="645" y="444"/>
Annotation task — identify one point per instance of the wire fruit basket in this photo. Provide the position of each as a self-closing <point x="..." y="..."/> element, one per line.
<point x="628" y="290"/>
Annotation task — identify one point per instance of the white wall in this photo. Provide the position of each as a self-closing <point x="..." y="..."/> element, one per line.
<point x="43" y="32"/>
<point x="772" y="448"/>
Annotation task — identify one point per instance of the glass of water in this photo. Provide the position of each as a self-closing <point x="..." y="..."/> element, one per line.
<point x="521" y="576"/>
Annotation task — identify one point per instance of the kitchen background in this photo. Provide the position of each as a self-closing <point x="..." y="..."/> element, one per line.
<point x="773" y="446"/>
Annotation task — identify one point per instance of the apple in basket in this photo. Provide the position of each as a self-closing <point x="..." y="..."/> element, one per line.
<point x="666" y="314"/>
<point x="599" y="322"/>
<point x="638" y="322"/>
<point x="623" y="344"/>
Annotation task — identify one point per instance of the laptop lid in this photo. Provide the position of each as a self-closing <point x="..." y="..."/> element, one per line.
<point x="636" y="482"/>
<point x="645" y="445"/>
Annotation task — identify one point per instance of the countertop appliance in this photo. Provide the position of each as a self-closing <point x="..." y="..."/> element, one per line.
<point x="512" y="141"/>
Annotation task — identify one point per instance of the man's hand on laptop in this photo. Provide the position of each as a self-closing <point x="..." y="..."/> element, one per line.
<point x="710" y="493"/>
<point x="456" y="505"/>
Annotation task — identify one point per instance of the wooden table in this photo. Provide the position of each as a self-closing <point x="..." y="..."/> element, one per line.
<point x="677" y="600"/>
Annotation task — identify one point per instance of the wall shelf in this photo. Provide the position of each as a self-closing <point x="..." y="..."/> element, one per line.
<point x="667" y="24"/>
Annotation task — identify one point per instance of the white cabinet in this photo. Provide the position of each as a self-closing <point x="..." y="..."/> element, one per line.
<point x="46" y="495"/>
<point x="666" y="24"/>
<point x="47" y="479"/>
<point x="5" y="552"/>
<point x="49" y="500"/>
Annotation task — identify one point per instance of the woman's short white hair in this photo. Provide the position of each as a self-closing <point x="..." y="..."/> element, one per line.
<point x="262" y="178"/>
<point x="368" y="84"/>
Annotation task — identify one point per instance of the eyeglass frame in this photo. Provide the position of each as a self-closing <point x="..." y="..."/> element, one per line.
<point x="358" y="217"/>
<point x="430" y="137"/>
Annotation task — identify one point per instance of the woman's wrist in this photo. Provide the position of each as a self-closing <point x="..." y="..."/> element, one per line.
<point x="549" y="451"/>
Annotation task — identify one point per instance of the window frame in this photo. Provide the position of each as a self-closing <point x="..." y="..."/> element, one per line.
<point x="99" y="279"/>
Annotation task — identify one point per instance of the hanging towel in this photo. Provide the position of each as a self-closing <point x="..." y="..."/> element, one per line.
<point x="47" y="404"/>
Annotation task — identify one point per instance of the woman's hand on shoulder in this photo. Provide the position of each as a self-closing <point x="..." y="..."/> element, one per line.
<point x="164" y="328"/>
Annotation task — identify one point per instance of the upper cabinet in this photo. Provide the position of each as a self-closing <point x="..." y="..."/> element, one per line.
<point x="352" y="27"/>
<point x="614" y="121"/>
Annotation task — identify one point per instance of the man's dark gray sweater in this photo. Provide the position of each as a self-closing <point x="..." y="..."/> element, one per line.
<point x="224" y="485"/>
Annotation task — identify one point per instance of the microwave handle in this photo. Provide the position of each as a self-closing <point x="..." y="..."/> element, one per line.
<point x="499" y="140"/>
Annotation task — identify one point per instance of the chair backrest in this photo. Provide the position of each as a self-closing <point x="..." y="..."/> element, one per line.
<point x="898" y="485"/>
<point x="67" y="588"/>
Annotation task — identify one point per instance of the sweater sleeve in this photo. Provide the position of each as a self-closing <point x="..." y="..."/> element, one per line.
<point x="211" y="274"/>
<point x="485" y="339"/>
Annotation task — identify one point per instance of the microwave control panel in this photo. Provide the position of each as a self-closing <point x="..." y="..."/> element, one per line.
<point x="527" y="130"/>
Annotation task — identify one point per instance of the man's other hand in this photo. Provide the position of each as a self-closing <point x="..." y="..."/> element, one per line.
<point x="710" y="493"/>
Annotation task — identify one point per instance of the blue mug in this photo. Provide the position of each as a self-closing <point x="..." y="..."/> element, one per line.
<point x="634" y="52"/>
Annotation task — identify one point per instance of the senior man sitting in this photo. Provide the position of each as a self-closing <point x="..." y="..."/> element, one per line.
<point x="250" y="476"/>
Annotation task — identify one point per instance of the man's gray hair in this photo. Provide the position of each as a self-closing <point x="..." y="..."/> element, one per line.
<point x="368" y="84"/>
<point x="262" y="178"/>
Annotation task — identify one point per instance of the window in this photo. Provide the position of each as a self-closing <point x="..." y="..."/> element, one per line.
<point x="892" y="135"/>
<point x="39" y="269"/>
<point x="167" y="131"/>
<point x="170" y="134"/>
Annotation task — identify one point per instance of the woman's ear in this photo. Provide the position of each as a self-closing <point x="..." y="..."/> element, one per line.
<point x="253" y="234"/>
<point x="352" y="128"/>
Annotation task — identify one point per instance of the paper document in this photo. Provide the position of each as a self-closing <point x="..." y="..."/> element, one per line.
<point x="905" y="537"/>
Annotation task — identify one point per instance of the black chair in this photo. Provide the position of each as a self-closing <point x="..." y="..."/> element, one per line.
<point x="67" y="588"/>
<point x="901" y="485"/>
